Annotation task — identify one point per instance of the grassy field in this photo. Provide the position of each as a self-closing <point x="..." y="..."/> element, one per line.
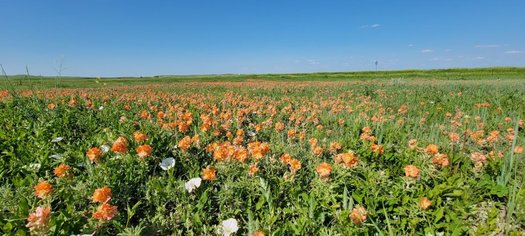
<point x="436" y="152"/>
<point x="492" y="73"/>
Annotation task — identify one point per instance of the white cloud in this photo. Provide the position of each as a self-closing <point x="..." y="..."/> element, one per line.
<point x="427" y="51"/>
<point x="479" y="58"/>
<point x="370" y="26"/>
<point x="515" y="52"/>
<point x="487" y="46"/>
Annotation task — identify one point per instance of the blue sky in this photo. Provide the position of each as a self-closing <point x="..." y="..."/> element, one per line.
<point x="117" y="38"/>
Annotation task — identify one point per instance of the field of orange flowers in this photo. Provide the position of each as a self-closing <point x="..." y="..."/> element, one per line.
<point x="265" y="158"/>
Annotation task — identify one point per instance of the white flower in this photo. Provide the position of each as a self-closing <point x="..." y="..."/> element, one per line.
<point x="251" y="133"/>
<point x="105" y="148"/>
<point x="192" y="184"/>
<point x="57" y="139"/>
<point x="167" y="163"/>
<point x="229" y="227"/>
<point x="100" y="108"/>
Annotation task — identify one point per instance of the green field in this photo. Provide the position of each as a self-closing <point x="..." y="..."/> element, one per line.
<point x="492" y="73"/>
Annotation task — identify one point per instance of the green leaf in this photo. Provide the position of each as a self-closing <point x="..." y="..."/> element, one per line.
<point x="7" y="227"/>
<point x="259" y="204"/>
<point x="438" y="215"/>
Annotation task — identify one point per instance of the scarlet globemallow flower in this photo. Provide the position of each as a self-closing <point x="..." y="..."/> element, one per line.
<point x="258" y="233"/>
<point x="62" y="170"/>
<point x="424" y="203"/>
<point x="518" y="149"/>
<point x="93" y="154"/>
<point x="144" y="151"/>
<point x="295" y="165"/>
<point x="478" y="158"/>
<point x="348" y="160"/>
<point x="38" y="221"/>
<point x="43" y="189"/>
<point x="376" y="148"/>
<point x="412" y="144"/>
<point x="101" y="195"/>
<point x="454" y="137"/>
<point x="411" y="171"/>
<point x="432" y="149"/>
<point x="440" y="159"/>
<point x="317" y="150"/>
<point x="120" y="145"/>
<point x="253" y="170"/>
<point x="324" y="169"/>
<point x="285" y="158"/>
<point x="209" y="173"/>
<point x="105" y="212"/>
<point x="358" y="215"/>
<point x="139" y="136"/>
<point x="184" y="143"/>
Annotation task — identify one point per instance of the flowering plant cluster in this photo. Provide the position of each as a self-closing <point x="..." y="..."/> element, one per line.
<point x="265" y="158"/>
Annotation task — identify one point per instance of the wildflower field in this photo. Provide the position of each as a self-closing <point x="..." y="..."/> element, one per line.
<point x="265" y="157"/>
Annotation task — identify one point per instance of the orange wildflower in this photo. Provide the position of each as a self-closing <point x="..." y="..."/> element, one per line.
<point x="144" y="151"/>
<point x="411" y="171"/>
<point x="478" y="158"/>
<point x="183" y="127"/>
<point x="184" y="143"/>
<point x="102" y="195"/>
<point x="317" y="150"/>
<point x="120" y="145"/>
<point x="209" y="173"/>
<point x="105" y="212"/>
<point x="285" y="158"/>
<point x="424" y="203"/>
<point x="291" y="133"/>
<point x="493" y="136"/>
<point x="38" y="221"/>
<point x="240" y="154"/>
<point x="295" y="165"/>
<point x="518" y="149"/>
<point x="139" y="136"/>
<point x="440" y="160"/>
<point x="358" y="215"/>
<point x="412" y="144"/>
<point x="376" y="148"/>
<point x="324" y="169"/>
<point x="253" y="170"/>
<point x="43" y="189"/>
<point x="432" y="149"/>
<point x="453" y="137"/>
<point x="334" y="147"/>
<point x="145" y="115"/>
<point x="279" y="126"/>
<point x="62" y="170"/>
<point x="51" y="106"/>
<point x="348" y="160"/>
<point x="94" y="154"/>
<point x="258" y="233"/>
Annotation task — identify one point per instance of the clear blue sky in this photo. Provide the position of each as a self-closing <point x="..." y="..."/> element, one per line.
<point x="114" y="38"/>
